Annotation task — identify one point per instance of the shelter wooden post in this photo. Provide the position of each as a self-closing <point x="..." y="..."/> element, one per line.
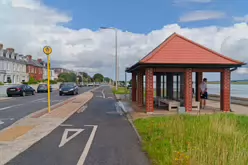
<point x="188" y="90"/>
<point x="225" y="98"/>
<point x="134" y="86"/>
<point x="149" y="90"/>
<point x="163" y="84"/>
<point x="140" y="89"/>
<point x="158" y="85"/>
<point x="169" y="85"/>
<point x="177" y="86"/>
<point x="182" y="85"/>
<point x="198" y="80"/>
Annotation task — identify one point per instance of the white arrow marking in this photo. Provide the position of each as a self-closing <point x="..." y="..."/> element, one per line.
<point x="87" y="146"/>
<point x="103" y="95"/>
<point x="65" y="139"/>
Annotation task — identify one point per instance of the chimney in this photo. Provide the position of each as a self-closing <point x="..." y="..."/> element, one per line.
<point x="1" y="46"/>
<point x="29" y="57"/>
<point x="17" y="56"/>
<point x="10" y="50"/>
<point x="39" y="60"/>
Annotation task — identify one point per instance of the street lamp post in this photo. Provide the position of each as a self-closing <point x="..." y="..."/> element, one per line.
<point x="116" y="57"/>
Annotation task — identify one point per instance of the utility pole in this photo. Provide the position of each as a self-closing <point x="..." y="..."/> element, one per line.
<point x="116" y="56"/>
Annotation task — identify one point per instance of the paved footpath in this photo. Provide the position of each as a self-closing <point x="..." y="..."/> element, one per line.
<point x="97" y="136"/>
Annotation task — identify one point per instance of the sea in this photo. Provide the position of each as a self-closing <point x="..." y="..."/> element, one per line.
<point x="236" y="90"/>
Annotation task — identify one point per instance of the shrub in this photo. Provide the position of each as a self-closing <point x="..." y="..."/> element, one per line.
<point x="53" y="82"/>
<point x="1" y="83"/>
<point x="32" y="81"/>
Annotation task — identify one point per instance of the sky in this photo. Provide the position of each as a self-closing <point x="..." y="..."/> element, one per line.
<point x="72" y="29"/>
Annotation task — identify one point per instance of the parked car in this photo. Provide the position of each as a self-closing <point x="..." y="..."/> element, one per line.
<point x="21" y="90"/>
<point x="64" y="83"/>
<point x="69" y="88"/>
<point x="43" y="88"/>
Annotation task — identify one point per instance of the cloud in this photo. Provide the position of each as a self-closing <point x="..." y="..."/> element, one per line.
<point x="94" y="51"/>
<point x="241" y="19"/>
<point x="200" y="15"/>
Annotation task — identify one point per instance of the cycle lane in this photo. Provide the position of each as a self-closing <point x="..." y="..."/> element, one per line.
<point x="98" y="135"/>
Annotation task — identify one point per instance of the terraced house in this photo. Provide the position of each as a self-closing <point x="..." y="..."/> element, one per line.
<point x="12" y="66"/>
<point x="34" y="68"/>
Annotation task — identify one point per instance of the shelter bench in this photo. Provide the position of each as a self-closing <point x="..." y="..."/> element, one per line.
<point x="172" y="104"/>
<point x="196" y="105"/>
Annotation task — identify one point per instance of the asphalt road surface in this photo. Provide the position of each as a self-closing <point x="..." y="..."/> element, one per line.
<point x="19" y="107"/>
<point x="99" y="135"/>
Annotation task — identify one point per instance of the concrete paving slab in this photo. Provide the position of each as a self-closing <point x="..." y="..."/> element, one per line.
<point x="14" y="132"/>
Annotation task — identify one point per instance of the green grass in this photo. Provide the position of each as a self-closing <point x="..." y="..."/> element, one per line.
<point x="1" y="83"/>
<point x="195" y="140"/>
<point x="121" y="91"/>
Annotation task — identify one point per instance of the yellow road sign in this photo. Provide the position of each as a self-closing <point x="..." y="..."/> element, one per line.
<point x="47" y="50"/>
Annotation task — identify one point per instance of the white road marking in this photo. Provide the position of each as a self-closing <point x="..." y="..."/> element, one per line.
<point x="103" y="95"/>
<point x="110" y="97"/>
<point x="4" y="108"/>
<point x="82" y="109"/>
<point x="88" y="145"/>
<point x="6" y="118"/>
<point x="65" y="139"/>
<point x="1" y="122"/>
<point x="38" y="99"/>
<point x="66" y="125"/>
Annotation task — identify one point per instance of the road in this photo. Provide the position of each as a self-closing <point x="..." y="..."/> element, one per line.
<point x="97" y="136"/>
<point x="19" y="107"/>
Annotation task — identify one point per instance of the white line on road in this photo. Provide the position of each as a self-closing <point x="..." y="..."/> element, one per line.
<point x="65" y="139"/>
<point x="38" y="99"/>
<point x="7" y="119"/>
<point x="88" y="145"/>
<point x="1" y="122"/>
<point x="4" y="108"/>
<point x="103" y="95"/>
<point x="66" y="125"/>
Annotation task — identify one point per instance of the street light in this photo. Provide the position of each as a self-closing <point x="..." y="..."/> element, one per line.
<point x="116" y="57"/>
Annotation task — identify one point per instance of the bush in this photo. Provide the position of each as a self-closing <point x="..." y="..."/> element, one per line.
<point x="53" y="82"/>
<point x="32" y="81"/>
<point x="1" y="83"/>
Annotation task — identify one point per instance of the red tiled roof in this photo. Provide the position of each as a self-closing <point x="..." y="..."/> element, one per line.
<point x="177" y="49"/>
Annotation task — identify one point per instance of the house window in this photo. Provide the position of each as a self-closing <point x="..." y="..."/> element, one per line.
<point x="9" y="55"/>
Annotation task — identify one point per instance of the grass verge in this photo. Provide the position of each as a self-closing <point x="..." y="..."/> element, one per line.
<point x="121" y="91"/>
<point x="196" y="140"/>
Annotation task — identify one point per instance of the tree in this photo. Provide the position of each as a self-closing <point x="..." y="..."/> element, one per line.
<point x="106" y="79"/>
<point x="86" y="77"/>
<point x="98" y="77"/>
<point x="79" y="79"/>
<point x="68" y="77"/>
<point x="130" y="82"/>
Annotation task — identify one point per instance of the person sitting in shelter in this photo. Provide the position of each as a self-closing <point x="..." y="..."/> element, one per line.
<point x="203" y="92"/>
